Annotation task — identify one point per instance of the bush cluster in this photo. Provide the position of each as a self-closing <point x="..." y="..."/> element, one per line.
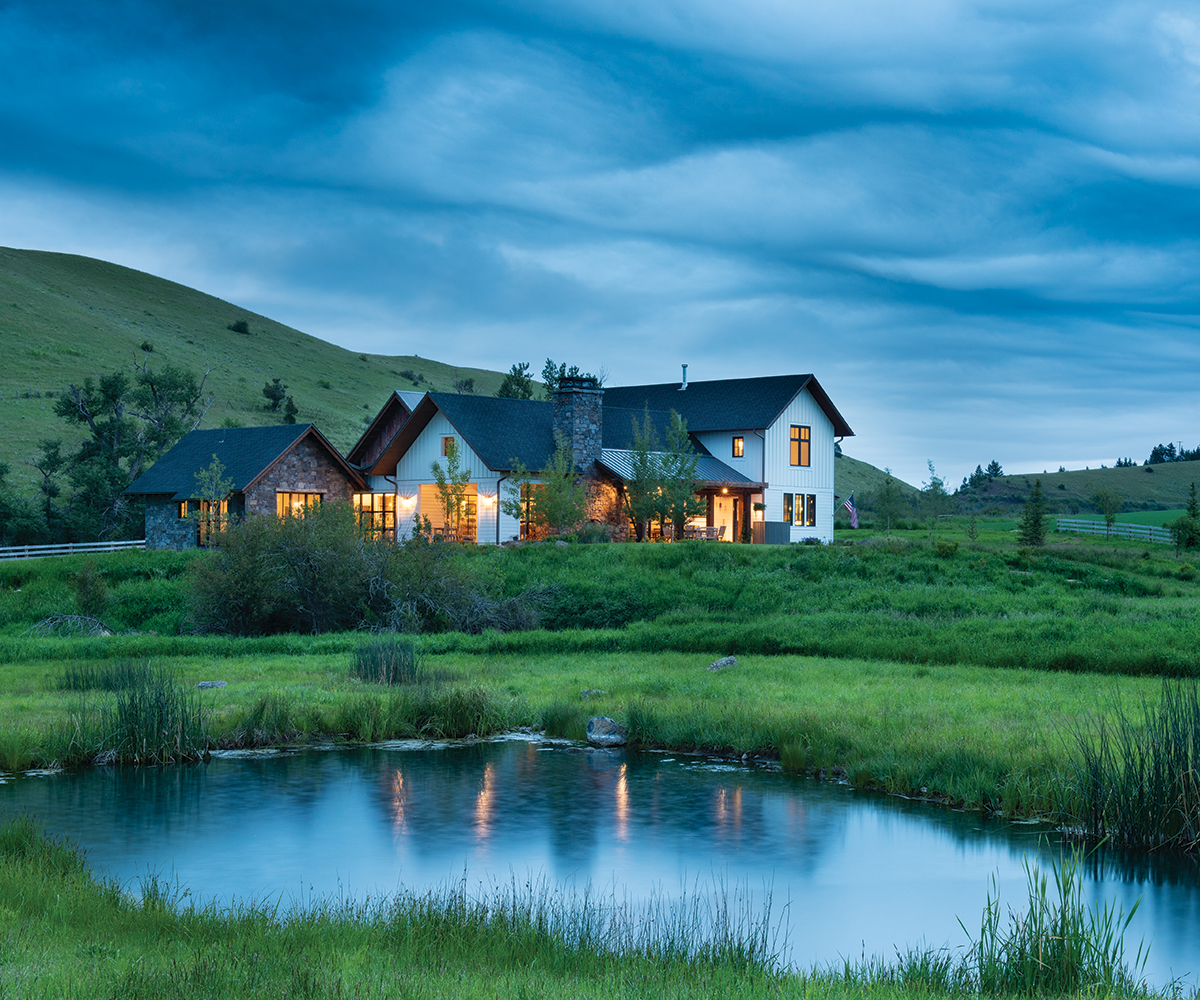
<point x="322" y="573"/>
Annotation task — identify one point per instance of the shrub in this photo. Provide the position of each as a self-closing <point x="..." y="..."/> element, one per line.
<point x="239" y="326"/>
<point x="946" y="550"/>
<point x="91" y="591"/>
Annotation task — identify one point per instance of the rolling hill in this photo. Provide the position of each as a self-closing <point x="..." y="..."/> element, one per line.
<point x="1142" y="487"/>
<point x="64" y="317"/>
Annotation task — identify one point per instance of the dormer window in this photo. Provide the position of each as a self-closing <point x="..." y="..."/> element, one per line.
<point x="801" y="445"/>
<point x="739" y="447"/>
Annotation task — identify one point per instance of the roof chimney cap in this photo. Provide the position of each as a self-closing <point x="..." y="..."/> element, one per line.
<point x="684" y="383"/>
<point x="574" y="383"/>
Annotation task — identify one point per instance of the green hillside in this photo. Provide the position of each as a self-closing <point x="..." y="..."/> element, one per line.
<point x="64" y="317"/>
<point x="852" y="476"/>
<point x="1142" y="487"/>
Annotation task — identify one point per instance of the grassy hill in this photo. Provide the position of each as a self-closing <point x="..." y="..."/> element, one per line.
<point x="64" y="317"/>
<point x="852" y="476"/>
<point x="1143" y="487"/>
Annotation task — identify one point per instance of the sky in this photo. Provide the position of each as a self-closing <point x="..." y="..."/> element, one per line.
<point x="975" y="223"/>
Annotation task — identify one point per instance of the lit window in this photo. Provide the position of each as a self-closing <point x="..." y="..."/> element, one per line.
<point x="787" y="508"/>
<point x="801" y="443"/>
<point x="739" y="447"/>
<point x="183" y="504"/>
<point x="448" y="446"/>
<point x="294" y="504"/>
<point x="376" y="513"/>
<point x="810" y="510"/>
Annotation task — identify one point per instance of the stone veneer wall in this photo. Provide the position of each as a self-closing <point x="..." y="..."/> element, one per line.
<point x="578" y="416"/>
<point x="307" y="468"/>
<point x="165" y="529"/>
<point x="605" y="506"/>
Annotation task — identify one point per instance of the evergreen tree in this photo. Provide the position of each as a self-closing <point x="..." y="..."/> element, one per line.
<point x="993" y="470"/>
<point x="1185" y="531"/>
<point x="1032" y="527"/>
<point x="517" y="384"/>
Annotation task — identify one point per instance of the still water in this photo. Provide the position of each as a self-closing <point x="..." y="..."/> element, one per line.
<point x="855" y="873"/>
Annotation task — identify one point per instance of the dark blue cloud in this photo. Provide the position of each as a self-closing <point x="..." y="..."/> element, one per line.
<point x="976" y="223"/>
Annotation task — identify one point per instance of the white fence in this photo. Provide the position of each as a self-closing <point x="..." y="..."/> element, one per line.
<point x="1136" y="532"/>
<point x="70" y="549"/>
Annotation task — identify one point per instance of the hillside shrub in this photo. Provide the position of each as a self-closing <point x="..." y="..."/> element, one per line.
<point x="946" y="549"/>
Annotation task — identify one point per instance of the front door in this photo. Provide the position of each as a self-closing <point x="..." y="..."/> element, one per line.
<point x="725" y="515"/>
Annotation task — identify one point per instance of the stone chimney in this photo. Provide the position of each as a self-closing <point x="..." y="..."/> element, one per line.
<point x="578" y="416"/>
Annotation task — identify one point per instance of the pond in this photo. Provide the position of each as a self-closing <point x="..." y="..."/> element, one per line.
<point x="848" y="873"/>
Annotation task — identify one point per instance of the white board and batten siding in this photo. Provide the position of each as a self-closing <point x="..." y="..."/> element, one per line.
<point x="720" y="446"/>
<point x="415" y="469"/>
<point x="816" y="478"/>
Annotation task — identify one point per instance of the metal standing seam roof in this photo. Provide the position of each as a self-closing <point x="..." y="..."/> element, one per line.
<point x="727" y="404"/>
<point x="246" y="453"/>
<point x="619" y="462"/>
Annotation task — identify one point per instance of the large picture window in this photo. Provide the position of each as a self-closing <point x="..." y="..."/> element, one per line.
<point x="294" y="504"/>
<point x="376" y="513"/>
<point x="801" y="445"/>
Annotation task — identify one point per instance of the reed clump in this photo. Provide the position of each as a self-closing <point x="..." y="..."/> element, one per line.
<point x="1135" y="782"/>
<point x="145" y="716"/>
<point x="387" y="660"/>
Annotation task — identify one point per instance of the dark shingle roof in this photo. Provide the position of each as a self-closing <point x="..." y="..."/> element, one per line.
<point x="246" y="452"/>
<point x="499" y="430"/>
<point x="726" y="404"/>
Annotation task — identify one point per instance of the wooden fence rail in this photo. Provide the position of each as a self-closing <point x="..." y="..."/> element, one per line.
<point x="70" y="549"/>
<point x="1136" y="532"/>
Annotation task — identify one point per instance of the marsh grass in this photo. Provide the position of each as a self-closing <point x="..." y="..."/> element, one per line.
<point x="104" y="675"/>
<point x="152" y="719"/>
<point x="1136" y="782"/>
<point x="79" y="935"/>
<point x="1057" y="946"/>
<point x="388" y="660"/>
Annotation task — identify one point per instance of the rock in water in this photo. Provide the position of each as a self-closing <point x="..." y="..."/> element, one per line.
<point x="211" y="684"/>
<point x="724" y="661"/>
<point x="605" y="732"/>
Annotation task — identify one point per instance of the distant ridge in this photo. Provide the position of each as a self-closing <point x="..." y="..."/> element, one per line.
<point x="65" y="317"/>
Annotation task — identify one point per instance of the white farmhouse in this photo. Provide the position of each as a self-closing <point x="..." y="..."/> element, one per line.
<point x="766" y="449"/>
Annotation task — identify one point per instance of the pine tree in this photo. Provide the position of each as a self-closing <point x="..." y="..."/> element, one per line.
<point x="1032" y="528"/>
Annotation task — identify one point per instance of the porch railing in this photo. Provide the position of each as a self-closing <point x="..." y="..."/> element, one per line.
<point x="69" y="549"/>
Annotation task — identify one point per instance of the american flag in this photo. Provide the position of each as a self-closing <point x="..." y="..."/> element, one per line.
<point x="849" y="505"/>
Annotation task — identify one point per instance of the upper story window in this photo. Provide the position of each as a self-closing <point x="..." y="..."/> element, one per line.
<point x="739" y="447"/>
<point x="448" y="446"/>
<point x="801" y="443"/>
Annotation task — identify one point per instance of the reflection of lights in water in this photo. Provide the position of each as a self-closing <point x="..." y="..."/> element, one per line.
<point x="728" y="807"/>
<point x="622" y="806"/>
<point x="399" y="800"/>
<point x="484" y="804"/>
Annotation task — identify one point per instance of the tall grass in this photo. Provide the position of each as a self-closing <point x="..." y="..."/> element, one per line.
<point x="387" y="660"/>
<point x="518" y="938"/>
<point x="152" y="719"/>
<point x="1057" y="946"/>
<point x="1136" y="782"/>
